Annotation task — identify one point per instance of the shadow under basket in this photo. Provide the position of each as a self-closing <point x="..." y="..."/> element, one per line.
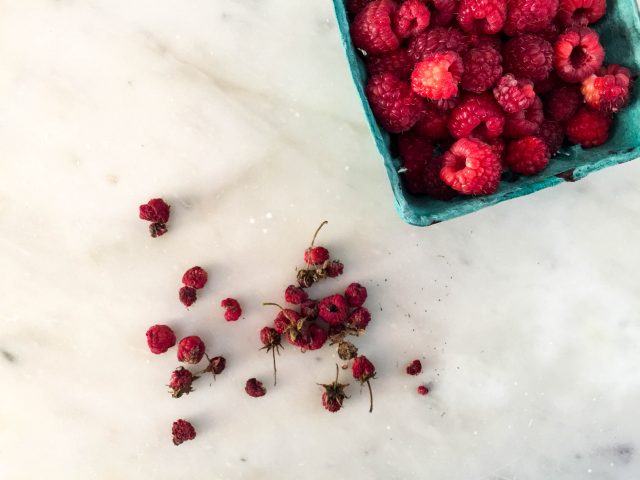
<point x="619" y="33"/>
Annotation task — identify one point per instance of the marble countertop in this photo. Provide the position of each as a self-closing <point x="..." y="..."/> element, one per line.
<point x="241" y="113"/>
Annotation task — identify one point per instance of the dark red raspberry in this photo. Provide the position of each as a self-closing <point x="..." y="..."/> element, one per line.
<point x="317" y="336"/>
<point x="477" y="40"/>
<point x="414" y="368"/>
<point x="477" y="116"/>
<point x="355" y="6"/>
<point x="524" y="123"/>
<point x="371" y="30"/>
<point x="333" y="395"/>
<point x="397" y="62"/>
<point x="181" y="431"/>
<point x="233" y="311"/>
<point x="411" y="18"/>
<point x="548" y="84"/>
<point x="433" y="125"/>
<point x="360" y="318"/>
<point x="333" y="309"/>
<point x="527" y="156"/>
<point x="550" y="32"/>
<point x="528" y="56"/>
<point x="482" y="16"/>
<point x="362" y="369"/>
<point x="498" y="148"/>
<point x="588" y="127"/>
<point x="482" y="67"/>
<point x="442" y="11"/>
<point x="578" y="54"/>
<point x="355" y="294"/>
<point x="191" y="350"/>
<point x="433" y="184"/>
<point x="295" y="295"/>
<point x="309" y="309"/>
<point x="609" y="90"/>
<point x="422" y="390"/>
<point x="156" y="211"/>
<point x="316" y="255"/>
<point x="334" y="269"/>
<point x="447" y="105"/>
<point x="187" y="296"/>
<point x="581" y="12"/>
<point x="437" y="75"/>
<point x="285" y="319"/>
<point x="514" y="95"/>
<point x="471" y="167"/>
<point x="415" y="153"/>
<point x="216" y="366"/>
<point x="551" y="133"/>
<point x="195" y="277"/>
<point x="438" y="39"/>
<point x="394" y="104"/>
<point x="160" y="338"/>
<point x="529" y="16"/>
<point x="255" y="388"/>
<point x="563" y="102"/>
<point x="180" y="382"/>
<point x="269" y="337"/>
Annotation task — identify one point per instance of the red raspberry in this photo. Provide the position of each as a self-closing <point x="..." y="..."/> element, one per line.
<point x="433" y="125"/>
<point x="414" y="368"/>
<point x="415" y="153"/>
<point x="355" y="6"/>
<point x="398" y="62"/>
<point x="285" y="319"/>
<point x="371" y="29"/>
<point x="581" y="12"/>
<point x="438" y="39"/>
<point x="334" y="269"/>
<point x="480" y="40"/>
<point x="233" y="311"/>
<point x="528" y="56"/>
<point x="182" y="431"/>
<point x="333" y="309"/>
<point x="155" y="210"/>
<point x="578" y="54"/>
<point x="437" y="75"/>
<point x="333" y="394"/>
<point x="609" y="90"/>
<point x="317" y="337"/>
<point x="362" y="369"/>
<point x="216" y="366"/>
<point x="471" y="167"/>
<point x="526" y="122"/>
<point x="548" y="84"/>
<point x="316" y="255"/>
<point x="160" y="338"/>
<point x="187" y="296"/>
<point x="498" y="148"/>
<point x="433" y="184"/>
<point x="195" y="277"/>
<point x="482" y="67"/>
<point x="482" y="16"/>
<point x="191" y="349"/>
<point x="448" y="104"/>
<point x="442" y="11"/>
<point x="394" y="104"/>
<point x="514" y="95"/>
<point x="309" y="309"/>
<point x="529" y="16"/>
<point x="180" y="382"/>
<point x="360" y="318"/>
<point x="550" y="32"/>
<point x="527" y="156"/>
<point x="552" y="134"/>
<point x="477" y="116"/>
<point x="588" y="127"/>
<point x="255" y="388"/>
<point x="422" y="390"/>
<point x="563" y="102"/>
<point x="411" y="18"/>
<point x="355" y="294"/>
<point x="295" y="295"/>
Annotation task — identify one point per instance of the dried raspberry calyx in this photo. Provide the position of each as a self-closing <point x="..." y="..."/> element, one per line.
<point x="334" y="395"/>
<point x="216" y="365"/>
<point x="180" y="382"/>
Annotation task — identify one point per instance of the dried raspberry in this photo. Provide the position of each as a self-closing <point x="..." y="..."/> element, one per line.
<point x="195" y="277"/>
<point x="514" y="95"/>
<point x="471" y="167"/>
<point x="355" y="294"/>
<point x="362" y="369"/>
<point x="588" y="127"/>
<point x="527" y="156"/>
<point x="286" y="318"/>
<point x="316" y="255"/>
<point x="434" y="124"/>
<point x="254" y="388"/>
<point x="160" y="338"/>
<point x="581" y="12"/>
<point x="334" y="269"/>
<point x="187" y="296"/>
<point x="477" y="116"/>
<point x="548" y="84"/>
<point x="317" y="336"/>
<point x="526" y="122"/>
<point x="371" y="29"/>
<point x="438" y="39"/>
<point x="355" y="6"/>
<point x="309" y="309"/>
<point x="347" y="351"/>
<point x="422" y="390"/>
<point x="528" y="56"/>
<point x="216" y="366"/>
<point x="608" y="92"/>
<point x="180" y="382"/>
<point x="397" y="62"/>
<point x="333" y="309"/>
<point x="437" y="75"/>
<point x="552" y="135"/>
<point x="415" y="152"/>
<point x="182" y="431"/>
<point x="563" y="102"/>
<point x="578" y="54"/>
<point x="271" y="342"/>
<point x="411" y="18"/>
<point x="156" y="211"/>
<point x="477" y="40"/>
<point x="333" y="395"/>
<point x="414" y="368"/>
<point x="191" y="349"/>
<point x="396" y="107"/>
<point x="482" y="16"/>
<point x="529" y="16"/>
<point x="360" y="318"/>
<point x="482" y="67"/>
<point x="295" y="295"/>
<point x="232" y="309"/>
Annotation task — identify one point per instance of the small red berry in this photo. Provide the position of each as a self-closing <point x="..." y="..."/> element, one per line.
<point x="285" y="319"/>
<point x="216" y="365"/>
<point x="578" y="54"/>
<point x="180" y="382"/>
<point x="581" y="12"/>
<point x="563" y="102"/>
<point x="482" y="16"/>
<point x="191" y="349"/>
<point x="371" y="30"/>
<point x="195" y="277"/>
<point x="355" y="294"/>
<point x="527" y="156"/>
<point x="360" y="318"/>
<point x="295" y="295"/>
<point x="433" y="125"/>
<point x="525" y="122"/>
<point x="394" y="104"/>
<point x="187" y="296"/>
<point x="477" y="116"/>
<point x="529" y="16"/>
<point x="254" y="388"/>
<point x="317" y="336"/>
<point x="414" y="368"/>
<point x="182" y="431"/>
<point x="513" y="94"/>
<point x="438" y="39"/>
<point x="411" y="18"/>
<point x="271" y="342"/>
<point x="528" y="56"/>
<point x="422" y="390"/>
<point x="334" y="395"/>
<point x="437" y="76"/>
<point x="316" y="255"/>
<point x="552" y="134"/>
<point x="156" y="211"/>
<point x="482" y="68"/>
<point x="609" y="90"/>
<point x="232" y="309"/>
<point x="160" y="338"/>
<point x="333" y="309"/>
<point x="362" y="369"/>
<point x="309" y="309"/>
<point x="415" y="152"/>
<point x="334" y="269"/>
<point x="471" y="167"/>
<point x="397" y="62"/>
<point x="588" y="127"/>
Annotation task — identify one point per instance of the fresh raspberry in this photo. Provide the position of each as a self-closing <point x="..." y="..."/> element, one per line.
<point x="414" y="368"/>
<point x="448" y="104"/>
<point x="529" y="16"/>
<point x="525" y="122"/>
<point x="588" y="127"/>
<point x="255" y="388"/>
<point x="334" y="269"/>
<point x="471" y="167"/>
<point x="433" y="184"/>
<point x="180" y="382"/>
<point x="355" y="294"/>
<point x="442" y="11"/>
<point x="527" y="156"/>
<point x="433" y="125"/>
<point x="316" y="255"/>
<point x="191" y="349"/>
<point x="182" y="431"/>
<point x="355" y="6"/>
<point x="477" y="40"/>
<point x="317" y="336"/>
<point x="233" y="311"/>
<point x="514" y="95"/>
<point x="360" y="318"/>
<point x="398" y="62"/>
<point x="216" y="366"/>
<point x="608" y="92"/>
<point x="477" y="116"/>
<point x="333" y="309"/>
<point x="578" y="54"/>
<point x="415" y="153"/>
<point x="187" y="296"/>
<point x="285" y="319"/>
<point x="437" y="75"/>
<point x="528" y="56"/>
<point x="482" y="16"/>
<point x="422" y="390"/>
<point x="498" y="148"/>
<point x="295" y="295"/>
<point x="581" y="12"/>
<point x="309" y="309"/>
<point x="371" y="29"/>
<point x="482" y="67"/>
<point x="437" y="39"/>
<point x="160" y="338"/>
<point x="563" y="102"/>
<point x="394" y="104"/>
<point x="411" y="18"/>
<point x="551" y="133"/>
<point x="550" y="32"/>
<point x="548" y="84"/>
<point x="156" y="211"/>
<point x="195" y="277"/>
<point x="362" y="369"/>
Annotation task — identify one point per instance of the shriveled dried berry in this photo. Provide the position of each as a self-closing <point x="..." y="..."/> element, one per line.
<point x="363" y="371"/>
<point x="216" y="366"/>
<point x="355" y="295"/>
<point x="334" y="395"/>
<point x="195" y="277"/>
<point x="333" y="309"/>
<point x="182" y="431"/>
<point x="160" y="338"/>
<point x="347" y="350"/>
<point x="187" y="296"/>
<point x="271" y="342"/>
<point x="295" y="295"/>
<point x="414" y="368"/>
<point x="191" y="349"/>
<point x="334" y="269"/>
<point x="157" y="212"/>
<point x="180" y="382"/>
<point x="254" y="388"/>
<point x="233" y="311"/>
<point x="422" y="390"/>
<point x="360" y="318"/>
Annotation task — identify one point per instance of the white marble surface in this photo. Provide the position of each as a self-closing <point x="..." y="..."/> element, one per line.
<point x="242" y="114"/>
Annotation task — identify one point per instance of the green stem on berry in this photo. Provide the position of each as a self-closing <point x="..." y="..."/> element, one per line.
<point x="370" y="397"/>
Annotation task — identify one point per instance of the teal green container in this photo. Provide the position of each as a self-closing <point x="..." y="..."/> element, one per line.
<point x="619" y="33"/>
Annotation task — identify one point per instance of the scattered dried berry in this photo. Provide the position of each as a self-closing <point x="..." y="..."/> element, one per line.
<point x="271" y="342"/>
<point x="180" y="382"/>
<point x="422" y="390"/>
<point x="160" y="338"/>
<point x="191" y="349"/>
<point x="360" y="318"/>
<point x="363" y="371"/>
<point x="334" y="269"/>
<point x="182" y="431"/>
<point x="233" y="311"/>
<point x="187" y="296"/>
<point x="355" y="294"/>
<point x="295" y="295"/>
<point x="254" y="388"/>
<point x="216" y="366"/>
<point x="414" y="368"/>
<point x="333" y="309"/>
<point x="347" y="350"/>
<point x="195" y="277"/>
<point x="333" y="395"/>
<point x="316" y="337"/>
<point x="157" y="212"/>
<point x="309" y="309"/>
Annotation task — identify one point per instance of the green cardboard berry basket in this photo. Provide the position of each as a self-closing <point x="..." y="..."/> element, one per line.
<point x="619" y="33"/>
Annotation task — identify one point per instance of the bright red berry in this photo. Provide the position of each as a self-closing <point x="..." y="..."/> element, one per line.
<point x="255" y="388"/>
<point x="526" y="122"/>
<point x="513" y="94"/>
<point x="187" y="296"/>
<point x="233" y="311"/>
<point x="482" y="16"/>
<point x="581" y="12"/>
<point x="316" y="255"/>
<point x="551" y="133"/>
<point x="182" y="431"/>
<point x="191" y="350"/>
<point x="482" y="68"/>
<point x="398" y="62"/>
<point x="528" y="56"/>
<point x="588" y="127"/>
<point x="477" y="116"/>
<point x="316" y="337"/>
<point x="414" y="368"/>
<point x="422" y="390"/>
<point x="156" y="211"/>
<point x="530" y="16"/>
<point x="609" y="90"/>
<point x="437" y="75"/>
<point x="334" y="269"/>
<point x="471" y="167"/>
<point x="195" y="277"/>
<point x="180" y="382"/>
<point x="433" y="125"/>
<point x="360" y="318"/>
<point x="362" y="369"/>
<point x="160" y="338"/>
<point x="333" y="309"/>
<point x="578" y="54"/>
<point x="527" y="156"/>
<point x="438" y="39"/>
<point x="295" y="295"/>
<point x="371" y="30"/>
<point x="394" y="104"/>
<point x="411" y="18"/>
<point x="355" y="294"/>
<point x="563" y="102"/>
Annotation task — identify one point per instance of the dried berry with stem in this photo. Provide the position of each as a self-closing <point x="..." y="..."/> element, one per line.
<point x="290" y="323"/>
<point x="333" y="395"/>
<point x="272" y="342"/>
<point x="363" y="371"/>
<point x="180" y="382"/>
<point x="215" y="366"/>
<point x="157" y="212"/>
<point x="422" y="390"/>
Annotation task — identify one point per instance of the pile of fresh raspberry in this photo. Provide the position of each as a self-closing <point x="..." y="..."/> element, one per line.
<point x="472" y="88"/>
